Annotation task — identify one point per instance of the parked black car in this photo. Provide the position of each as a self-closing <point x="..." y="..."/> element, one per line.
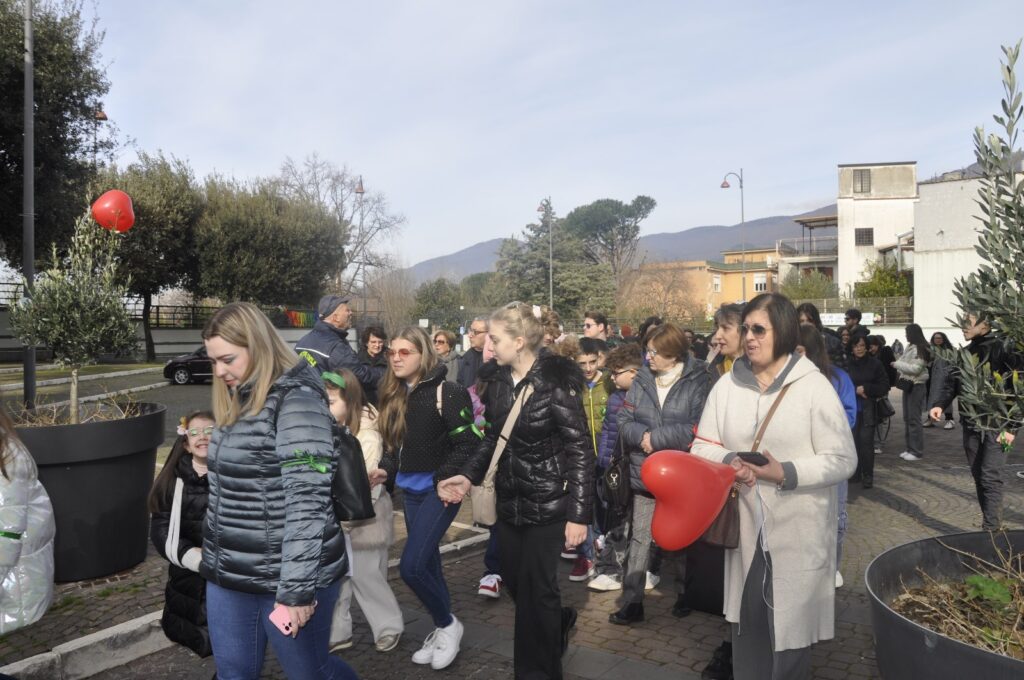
<point x="194" y="367"/>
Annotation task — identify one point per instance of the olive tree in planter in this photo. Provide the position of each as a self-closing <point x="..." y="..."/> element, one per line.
<point x="97" y="472"/>
<point x="77" y="306"/>
<point x="981" y="612"/>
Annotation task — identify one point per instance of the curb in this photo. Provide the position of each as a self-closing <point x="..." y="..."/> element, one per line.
<point x="121" y="644"/>
<point x="94" y="653"/>
<point x="108" y="395"/>
<point x="15" y="387"/>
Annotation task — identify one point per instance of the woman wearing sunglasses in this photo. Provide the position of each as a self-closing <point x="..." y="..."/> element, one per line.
<point x="780" y="580"/>
<point x="427" y="426"/>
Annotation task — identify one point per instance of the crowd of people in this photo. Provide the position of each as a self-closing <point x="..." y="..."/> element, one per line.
<point x="243" y="508"/>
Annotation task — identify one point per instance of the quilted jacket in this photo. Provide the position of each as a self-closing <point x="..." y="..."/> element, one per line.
<point x="26" y="546"/>
<point x="671" y="426"/>
<point x="270" y="526"/>
<point x="184" y="617"/>
<point x="546" y="473"/>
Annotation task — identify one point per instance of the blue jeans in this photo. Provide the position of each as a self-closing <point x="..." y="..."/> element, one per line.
<point x="491" y="563"/>
<point x="240" y="627"/>
<point x="426" y="520"/>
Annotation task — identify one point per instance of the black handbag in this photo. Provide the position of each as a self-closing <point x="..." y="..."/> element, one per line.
<point x="618" y="492"/>
<point x="884" y="408"/>
<point x="905" y="384"/>
<point x="350" y="486"/>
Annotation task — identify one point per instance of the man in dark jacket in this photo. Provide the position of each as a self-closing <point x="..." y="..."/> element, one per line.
<point x="326" y="347"/>
<point x="984" y="450"/>
<point x="470" y="362"/>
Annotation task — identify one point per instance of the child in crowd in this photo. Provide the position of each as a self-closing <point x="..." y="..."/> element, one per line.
<point x="370" y="539"/>
<point x="623" y="363"/>
<point x="591" y="357"/>
<point x="178" y="507"/>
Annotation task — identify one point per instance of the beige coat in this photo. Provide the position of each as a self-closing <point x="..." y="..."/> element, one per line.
<point x="810" y="435"/>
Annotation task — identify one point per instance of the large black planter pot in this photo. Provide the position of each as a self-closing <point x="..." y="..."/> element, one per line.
<point x="98" y="476"/>
<point x="906" y="650"/>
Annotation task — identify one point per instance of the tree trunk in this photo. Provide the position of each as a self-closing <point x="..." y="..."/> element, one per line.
<point x="74" y="395"/>
<point x="147" y="306"/>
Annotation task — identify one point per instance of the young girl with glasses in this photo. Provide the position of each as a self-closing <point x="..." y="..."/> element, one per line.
<point x="177" y="505"/>
<point x="427" y="426"/>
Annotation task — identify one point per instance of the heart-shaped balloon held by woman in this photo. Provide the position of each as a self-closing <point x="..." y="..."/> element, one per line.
<point x="689" y="492"/>
<point x="113" y="210"/>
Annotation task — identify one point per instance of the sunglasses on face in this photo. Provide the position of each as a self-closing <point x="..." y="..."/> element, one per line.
<point x="590" y="325"/>
<point x="196" y="431"/>
<point x="757" y="330"/>
<point x="404" y="353"/>
<point x="440" y="341"/>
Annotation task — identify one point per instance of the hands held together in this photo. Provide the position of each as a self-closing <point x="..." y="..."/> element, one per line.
<point x="453" y="489"/>
<point x="749" y="474"/>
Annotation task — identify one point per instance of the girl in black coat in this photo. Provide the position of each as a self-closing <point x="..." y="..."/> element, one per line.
<point x="544" y="485"/>
<point x="178" y="506"/>
<point x="871" y="383"/>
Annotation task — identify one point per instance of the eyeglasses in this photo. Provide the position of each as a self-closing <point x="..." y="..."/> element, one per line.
<point x="404" y="353"/>
<point x="473" y="331"/>
<point x="625" y="370"/>
<point x="651" y="352"/>
<point x="590" y="325"/>
<point x="196" y="431"/>
<point x="757" y="330"/>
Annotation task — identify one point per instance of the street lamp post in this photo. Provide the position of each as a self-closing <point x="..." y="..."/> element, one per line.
<point x="743" y="229"/>
<point x="28" y="208"/>
<point x="549" y="223"/>
<point x="359" y="194"/>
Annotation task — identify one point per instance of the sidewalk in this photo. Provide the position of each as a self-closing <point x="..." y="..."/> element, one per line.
<point x="909" y="501"/>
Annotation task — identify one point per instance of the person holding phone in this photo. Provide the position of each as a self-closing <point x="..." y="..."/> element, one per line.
<point x="273" y="552"/>
<point x="780" y="580"/>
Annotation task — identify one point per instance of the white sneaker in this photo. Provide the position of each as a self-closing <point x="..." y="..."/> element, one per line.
<point x="387" y="642"/>
<point x="908" y="456"/>
<point x="652" y="581"/>
<point x="949" y="425"/>
<point x="490" y="586"/>
<point x="839" y="580"/>
<point x="603" y="583"/>
<point x="446" y="645"/>
<point x="426" y="653"/>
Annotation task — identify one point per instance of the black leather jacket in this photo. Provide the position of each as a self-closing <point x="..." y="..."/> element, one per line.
<point x="270" y="525"/>
<point x="546" y="473"/>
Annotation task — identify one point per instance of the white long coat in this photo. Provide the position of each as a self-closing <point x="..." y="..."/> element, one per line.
<point x="810" y="431"/>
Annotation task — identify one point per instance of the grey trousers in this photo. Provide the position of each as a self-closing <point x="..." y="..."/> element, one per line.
<point x="753" y="638"/>
<point x="913" y="407"/>
<point x="369" y="584"/>
<point x="986" y="457"/>
<point x="638" y="557"/>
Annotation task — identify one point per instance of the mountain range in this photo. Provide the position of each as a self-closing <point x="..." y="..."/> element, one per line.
<point x="697" y="243"/>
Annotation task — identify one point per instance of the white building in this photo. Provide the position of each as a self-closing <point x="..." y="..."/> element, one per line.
<point x="875" y="210"/>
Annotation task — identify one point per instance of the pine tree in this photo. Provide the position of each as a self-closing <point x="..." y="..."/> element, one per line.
<point x="996" y="290"/>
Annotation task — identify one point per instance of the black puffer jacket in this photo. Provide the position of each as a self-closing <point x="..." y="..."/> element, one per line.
<point x="184" y="618"/>
<point x="988" y="348"/>
<point x="671" y="426"/>
<point x="429" y="445"/>
<point x="546" y="473"/>
<point x="270" y="525"/>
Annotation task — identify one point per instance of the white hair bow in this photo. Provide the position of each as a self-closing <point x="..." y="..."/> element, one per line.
<point x="536" y="311"/>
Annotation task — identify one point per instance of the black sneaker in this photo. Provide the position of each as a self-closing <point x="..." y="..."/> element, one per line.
<point x="568" y="623"/>
<point x="720" y="667"/>
<point x="679" y="609"/>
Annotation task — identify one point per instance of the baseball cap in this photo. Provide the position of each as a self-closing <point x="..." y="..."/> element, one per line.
<point x="329" y="303"/>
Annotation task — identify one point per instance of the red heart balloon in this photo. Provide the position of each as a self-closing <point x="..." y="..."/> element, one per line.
<point x="113" y="210"/>
<point x="689" y="493"/>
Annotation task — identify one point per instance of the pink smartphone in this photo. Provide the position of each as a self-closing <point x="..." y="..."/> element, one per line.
<point x="279" y="617"/>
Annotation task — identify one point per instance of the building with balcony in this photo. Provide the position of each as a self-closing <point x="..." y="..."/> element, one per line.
<point x="875" y="218"/>
<point x="758" y="267"/>
<point x="810" y="252"/>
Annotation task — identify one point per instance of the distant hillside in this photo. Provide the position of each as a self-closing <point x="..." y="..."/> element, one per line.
<point x="698" y="243"/>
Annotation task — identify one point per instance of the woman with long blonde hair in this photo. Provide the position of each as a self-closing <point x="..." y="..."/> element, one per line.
<point x="544" y="482"/>
<point x="272" y="545"/>
<point x="427" y="426"/>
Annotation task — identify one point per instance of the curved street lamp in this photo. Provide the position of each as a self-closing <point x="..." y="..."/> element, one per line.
<point x="743" y="228"/>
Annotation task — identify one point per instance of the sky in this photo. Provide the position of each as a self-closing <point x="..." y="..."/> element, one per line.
<point x="467" y="113"/>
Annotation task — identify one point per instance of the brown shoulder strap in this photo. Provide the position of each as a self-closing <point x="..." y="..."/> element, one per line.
<point x="768" y="418"/>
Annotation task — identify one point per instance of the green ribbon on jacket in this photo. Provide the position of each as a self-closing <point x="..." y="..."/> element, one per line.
<point x="467" y="415"/>
<point x="11" y="535"/>
<point x="314" y="462"/>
